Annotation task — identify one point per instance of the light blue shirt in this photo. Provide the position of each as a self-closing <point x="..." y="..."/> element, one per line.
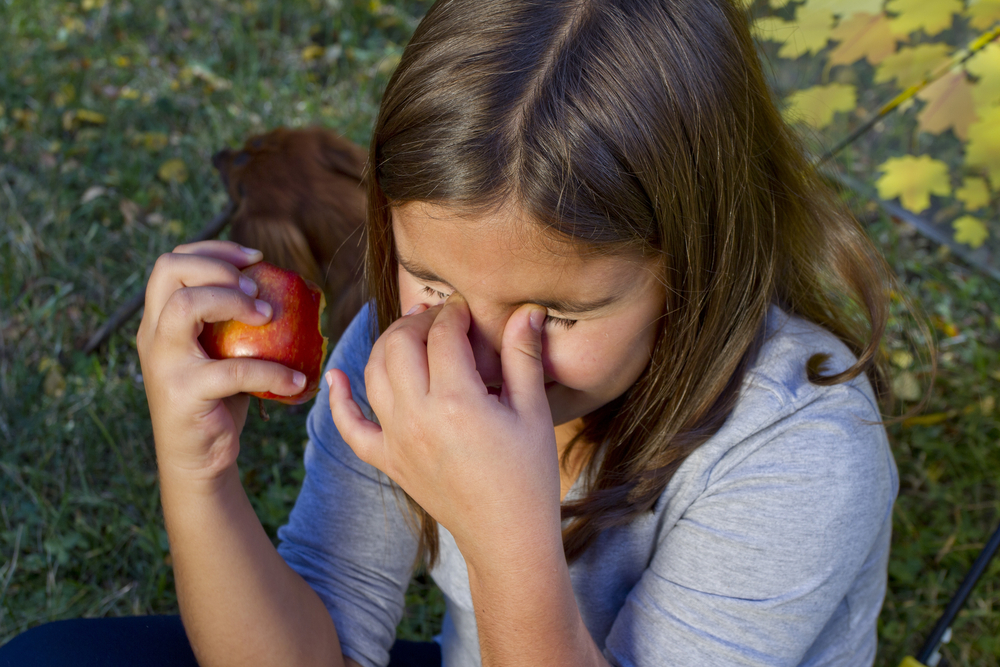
<point x="769" y="546"/>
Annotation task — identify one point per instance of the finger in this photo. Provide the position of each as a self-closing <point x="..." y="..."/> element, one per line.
<point x="363" y="435"/>
<point x="402" y="350"/>
<point x="229" y="377"/>
<point x="450" y="360"/>
<point x="227" y="251"/>
<point x="174" y="271"/>
<point x="188" y="310"/>
<point x="521" y="360"/>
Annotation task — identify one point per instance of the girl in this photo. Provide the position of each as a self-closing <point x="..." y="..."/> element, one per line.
<point x="614" y="387"/>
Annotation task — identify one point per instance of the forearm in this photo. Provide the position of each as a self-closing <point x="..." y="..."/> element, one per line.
<point x="526" y="612"/>
<point x="240" y="602"/>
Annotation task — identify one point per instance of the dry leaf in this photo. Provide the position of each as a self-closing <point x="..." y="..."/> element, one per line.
<point x="983" y="147"/>
<point x="92" y="193"/>
<point x="87" y="116"/>
<point x="910" y="65"/>
<point x="913" y="179"/>
<point x="862" y="36"/>
<point x="129" y="210"/>
<point x="970" y="231"/>
<point x="949" y="105"/>
<point x="173" y="171"/>
<point x="312" y="52"/>
<point x="151" y="141"/>
<point x="931" y="17"/>
<point x="906" y="387"/>
<point x="902" y="358"/>
<point x="974" y="193"/>
<point x="983" y="13"/>
<point x="985" y="65"/>
<point x="927" y="420"/>
<point x="815" y="106"/>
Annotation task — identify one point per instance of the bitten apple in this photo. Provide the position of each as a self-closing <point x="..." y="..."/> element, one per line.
<point x="292" y="338"/>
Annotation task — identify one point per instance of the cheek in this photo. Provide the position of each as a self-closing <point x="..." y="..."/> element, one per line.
<point x="601" y="361"/>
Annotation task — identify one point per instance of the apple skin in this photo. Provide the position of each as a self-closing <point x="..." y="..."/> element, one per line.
<point x="292" y="338"/>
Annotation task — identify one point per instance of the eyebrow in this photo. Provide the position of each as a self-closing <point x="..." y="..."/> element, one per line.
<point x="569" y="306"/>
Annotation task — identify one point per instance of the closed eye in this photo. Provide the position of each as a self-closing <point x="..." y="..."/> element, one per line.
<point x="564" y="322"/>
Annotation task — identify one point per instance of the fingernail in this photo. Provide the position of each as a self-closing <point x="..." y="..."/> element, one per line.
<point x="537" y="318"/>
<point x="249" y="251"/>
<point x="419" y="307"/>
<point x="247" y="285"/>
<point x="329" y="379"/>
<point x="299" y="379"/>
<point x="263" y="307"/>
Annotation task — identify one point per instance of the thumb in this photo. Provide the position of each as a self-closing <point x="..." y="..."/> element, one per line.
<point x="363" y="436"/>
<point x="521" y="359"/>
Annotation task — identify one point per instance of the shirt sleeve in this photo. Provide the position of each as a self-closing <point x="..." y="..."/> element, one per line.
<point x="348" y="534"/>
<point x="760" y="561"/>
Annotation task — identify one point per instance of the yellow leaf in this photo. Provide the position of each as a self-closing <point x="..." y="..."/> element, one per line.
<point x="949" y="105"/>
<point x="122" y="61"/>
<point x="175" y="228"/>
<point x="971" y="231"/>
<point x="813" y="32"/>
<point x="153" y="141"/>
<point x="902" y="358"/>
<point x="983" y="148"/>
<point x="128" y="93"/>
<point x="847" y="8"/>
<point x="983" y="13"/>
<point x="86" y="116"/>
<point x="909" y="65"/>
<point x="312" y="52"/>
<point x="926" y="420"/>
<point x="985" y="65"/>
<point x="913" y="179"/>
<point x="173" y="171"/>
<point x="772" y="29"/>
<point x="974" y="193"/>
<point x="906" y="387"/>
<point x="931" y="17"/>
<point x="862" y="36"/>
<point x="815" y="106"/>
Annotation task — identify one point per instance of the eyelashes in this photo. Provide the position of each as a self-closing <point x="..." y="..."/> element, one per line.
<point x="549" y="319"/>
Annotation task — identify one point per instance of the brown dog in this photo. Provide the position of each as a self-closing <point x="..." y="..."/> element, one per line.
<point x="298" y="197"/>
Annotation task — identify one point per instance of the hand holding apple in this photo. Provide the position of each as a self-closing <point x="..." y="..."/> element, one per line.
<point x="198" y="405"/>
<point x="292" y="338"/>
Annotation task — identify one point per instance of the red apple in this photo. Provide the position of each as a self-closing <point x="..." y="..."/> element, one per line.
<point x="292" y="338"/>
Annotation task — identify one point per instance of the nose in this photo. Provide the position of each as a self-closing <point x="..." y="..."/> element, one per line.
<point x="485" y="340"/>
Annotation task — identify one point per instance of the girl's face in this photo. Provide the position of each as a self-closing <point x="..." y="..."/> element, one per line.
<point x="603" y="310"/>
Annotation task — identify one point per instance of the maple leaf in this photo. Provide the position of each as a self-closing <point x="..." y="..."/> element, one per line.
<point x="970" y="230"/>
<point x="983" y="13"/>
<point x="949" y="104"/>
<point x="931" y="17"/>
<point x="846" y="8"/>
<point x="815" y="106"/>
<point x="909" y="65"/>
<point x="913" y="179"/>
<point x="985" y="65"/>
<point x="809" y="33"/>
<point x="974" y="193"/>
<point x="983" y="148"/>
<point x="862" y="36"/>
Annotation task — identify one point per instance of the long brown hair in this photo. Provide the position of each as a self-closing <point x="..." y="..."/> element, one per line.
<point x="630" y="124"/>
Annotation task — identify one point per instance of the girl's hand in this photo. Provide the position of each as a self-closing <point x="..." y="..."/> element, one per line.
<point x="195" y="402"/>
<point x="484" y="466"/>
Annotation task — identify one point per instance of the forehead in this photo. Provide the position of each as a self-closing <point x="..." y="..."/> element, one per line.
<point x="444" y="240"/>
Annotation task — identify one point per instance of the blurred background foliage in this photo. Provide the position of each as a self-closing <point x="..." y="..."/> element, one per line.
<point x="111" y="109"/>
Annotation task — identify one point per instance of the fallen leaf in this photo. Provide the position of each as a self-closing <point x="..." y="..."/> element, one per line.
<point x="974" y="193"/>
<point x="906" y="387"/>
<point x="913" y="179"/>
<point x="949" y="105"/>
<point x="931" y="17"/>
<point x="312" y="52"/>
<point x="173" y="171"/>
<point x="983" y="147"/>
<point x="815" y="106"/>
<point x="862" y="36"/>
<point x="847" y="8"/>
<point x="983" y="13"/>
<point x="901" y="358"/>
<point x="54" y="384"/>
<point x="927" y="420"/>
<point x="910" y="65"/>
<point x="92" y="193"/>
<point x="175" y="228"/>
<point x="970" y="231"/>
<point x="92" y="117"/>
<point x="773" y="29"/>
<point x="151" y="141"/>
<point x="129" y="210"/>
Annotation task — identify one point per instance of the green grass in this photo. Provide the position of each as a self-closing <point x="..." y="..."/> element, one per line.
<point x="81" y="531"/>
